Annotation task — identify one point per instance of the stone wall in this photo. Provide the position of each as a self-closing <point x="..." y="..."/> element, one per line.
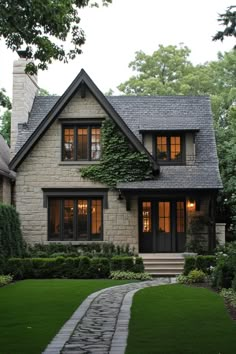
<point x="43" y="168"/>
<point x="220" y="233"/>
<point x="6" y="190"/>
<point x="24" y="90"/>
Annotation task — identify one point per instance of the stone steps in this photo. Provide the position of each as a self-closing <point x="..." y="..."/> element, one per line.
<point x="162" y="264"/>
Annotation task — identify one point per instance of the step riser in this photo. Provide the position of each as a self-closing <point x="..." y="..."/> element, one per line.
<point x="163" y="264"/>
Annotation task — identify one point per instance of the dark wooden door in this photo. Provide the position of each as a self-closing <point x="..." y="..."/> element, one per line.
<point x="162" y="226"/>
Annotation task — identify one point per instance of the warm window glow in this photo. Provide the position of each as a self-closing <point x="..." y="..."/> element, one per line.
<point x="68" y="144"/>
<point x="96" y="209"/>
<point x="164" y="217"/>
<point x="68" y="213"/>
<point x="169" y="148"/>
<point x="54" y="219"/>
<point x="180" y="217"/>
<point x="82" y="207"/>
<point x="82" y="148"/>
<point x="146" y="212"/>
<point x="175" y="148"/>
<point x="162" y="148"/>
<point x="95" y="144"/>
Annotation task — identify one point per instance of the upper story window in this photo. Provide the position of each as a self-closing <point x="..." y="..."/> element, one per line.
<point x="81" y="143"/>
<point x="170" y="148"/>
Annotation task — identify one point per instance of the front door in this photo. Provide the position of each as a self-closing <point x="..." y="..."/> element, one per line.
<point x="162" y="226"/>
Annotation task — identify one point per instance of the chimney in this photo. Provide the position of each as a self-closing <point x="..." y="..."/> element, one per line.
<point x="24" y="90"/>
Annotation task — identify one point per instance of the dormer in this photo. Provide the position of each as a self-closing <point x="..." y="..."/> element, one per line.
<point x="171" y="147"/>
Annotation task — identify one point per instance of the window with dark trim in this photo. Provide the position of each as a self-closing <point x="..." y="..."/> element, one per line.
<point x="169" y="148"/>
<point x="71" y="219"/>
<point x="81" y="142"/>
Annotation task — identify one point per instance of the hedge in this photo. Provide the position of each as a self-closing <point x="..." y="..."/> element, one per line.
<point x="126" y="264"/>
<point x="199" y="262"/>
<point x="11" y="241"/>
<point x="60" y="267"/>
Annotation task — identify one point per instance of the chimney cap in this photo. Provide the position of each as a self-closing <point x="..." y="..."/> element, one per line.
<point x="22" y="53"/>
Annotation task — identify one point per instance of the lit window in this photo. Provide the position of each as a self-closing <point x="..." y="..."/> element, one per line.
<point x="164" y="217"/>
<point x="81" y="143"/>
<point x="147" y="221"/>
<point x="169" y="148"/>
<point x="75" y="219"/>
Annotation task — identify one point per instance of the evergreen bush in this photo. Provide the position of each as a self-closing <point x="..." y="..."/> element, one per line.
<point x="11" y="241"/>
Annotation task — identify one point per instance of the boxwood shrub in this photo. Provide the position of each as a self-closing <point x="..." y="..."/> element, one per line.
<point x="59" y="267"/>
<point x="203" y="263"/>
<point x="127" y="264"/>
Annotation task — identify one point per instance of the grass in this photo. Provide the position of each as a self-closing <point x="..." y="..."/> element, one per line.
<point x="33" y="311"/>
<point x="176" y="319"/>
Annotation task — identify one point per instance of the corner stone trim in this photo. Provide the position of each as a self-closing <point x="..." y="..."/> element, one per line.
<point x="100" y="324"/>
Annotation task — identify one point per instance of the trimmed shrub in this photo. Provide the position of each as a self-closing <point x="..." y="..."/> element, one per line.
<point x="138" y="266"/>
<point x="204" y="263"/>
<point x="130" y="276"/>
<point x="92" y="249"/>
<point x="130" y="264"/>
<point x="189" y="264"/>
<point x="5" y="279"/>
<point x="100" y="267"/>
<point x="11" y="241"/>
<point x="194" y="276"/>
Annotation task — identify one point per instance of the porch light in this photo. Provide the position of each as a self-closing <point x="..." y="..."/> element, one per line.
<point x="191" y="205"/>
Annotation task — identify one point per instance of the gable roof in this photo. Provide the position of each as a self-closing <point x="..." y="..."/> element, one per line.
<point x="5" y="159"/>
<point x="141" y="114"/>
<point x="31" y="135"/>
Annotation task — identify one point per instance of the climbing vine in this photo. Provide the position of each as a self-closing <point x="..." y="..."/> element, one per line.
<point x="119" y="162"/>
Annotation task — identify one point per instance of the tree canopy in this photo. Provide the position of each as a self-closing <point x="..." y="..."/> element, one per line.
<point x="42" y="27"/>
<point x="168" y="71"/>
<point x="228" y="20"/>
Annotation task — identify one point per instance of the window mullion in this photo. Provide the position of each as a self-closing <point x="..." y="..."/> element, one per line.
<point x="168" y="148"/>
<point x="89" y="142"/>
<point x="89" y="220"/>
<point x="75" y="142"/>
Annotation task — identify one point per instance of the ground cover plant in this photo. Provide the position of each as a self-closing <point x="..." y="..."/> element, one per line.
<point x="33" y="311"/>
<point x="177" y="319"/>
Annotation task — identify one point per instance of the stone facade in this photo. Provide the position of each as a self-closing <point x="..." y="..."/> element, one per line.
<point x="220" y="233"/>
<point x="43" y="168"/>
<point x="5" y="190"/>
<point x="24" y="90"/>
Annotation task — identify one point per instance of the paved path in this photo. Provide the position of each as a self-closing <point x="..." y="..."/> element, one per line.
<point x="100" y="325"/>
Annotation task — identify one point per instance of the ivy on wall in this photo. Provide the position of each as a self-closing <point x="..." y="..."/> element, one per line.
<point x="119" y="162"/>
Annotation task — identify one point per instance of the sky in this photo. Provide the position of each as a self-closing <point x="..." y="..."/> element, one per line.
<point x="115" y="33"/>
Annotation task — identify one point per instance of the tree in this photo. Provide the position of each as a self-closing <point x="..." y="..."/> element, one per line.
<point x="5" y="118"/>
<point x="42" y="27"/>
<point x="160" y="73"/>
<point x="227" y="19"/>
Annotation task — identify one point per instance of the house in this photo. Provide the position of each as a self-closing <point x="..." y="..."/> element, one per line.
<point x="54" y="138"/>
<point x="6" y="176"/>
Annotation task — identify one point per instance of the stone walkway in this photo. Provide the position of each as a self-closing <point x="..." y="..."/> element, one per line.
<point x="100" y="324"/>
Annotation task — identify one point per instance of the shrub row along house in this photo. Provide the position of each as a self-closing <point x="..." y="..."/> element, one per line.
<point x="166" y="207"/>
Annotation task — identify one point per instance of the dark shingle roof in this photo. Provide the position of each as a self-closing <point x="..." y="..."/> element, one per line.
<point x="5" y="159"/>
<point x="156" y="113"/>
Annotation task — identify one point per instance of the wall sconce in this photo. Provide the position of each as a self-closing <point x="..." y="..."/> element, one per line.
<point x="120" y="197"/>
<point x="191" y="205"/>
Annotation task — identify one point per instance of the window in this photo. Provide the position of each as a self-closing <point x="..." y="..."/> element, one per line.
<point x="75" y="219"/>
<point x="164" y="217"/>
<point x="81" y="143"/>
<point x="169" y="148"/>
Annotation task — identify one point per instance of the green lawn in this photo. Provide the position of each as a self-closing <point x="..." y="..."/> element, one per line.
<point x="176" y="319"/>
<point x="33" y="311"/>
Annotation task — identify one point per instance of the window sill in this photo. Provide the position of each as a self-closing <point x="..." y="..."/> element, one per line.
<point x="78" y="163"/>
